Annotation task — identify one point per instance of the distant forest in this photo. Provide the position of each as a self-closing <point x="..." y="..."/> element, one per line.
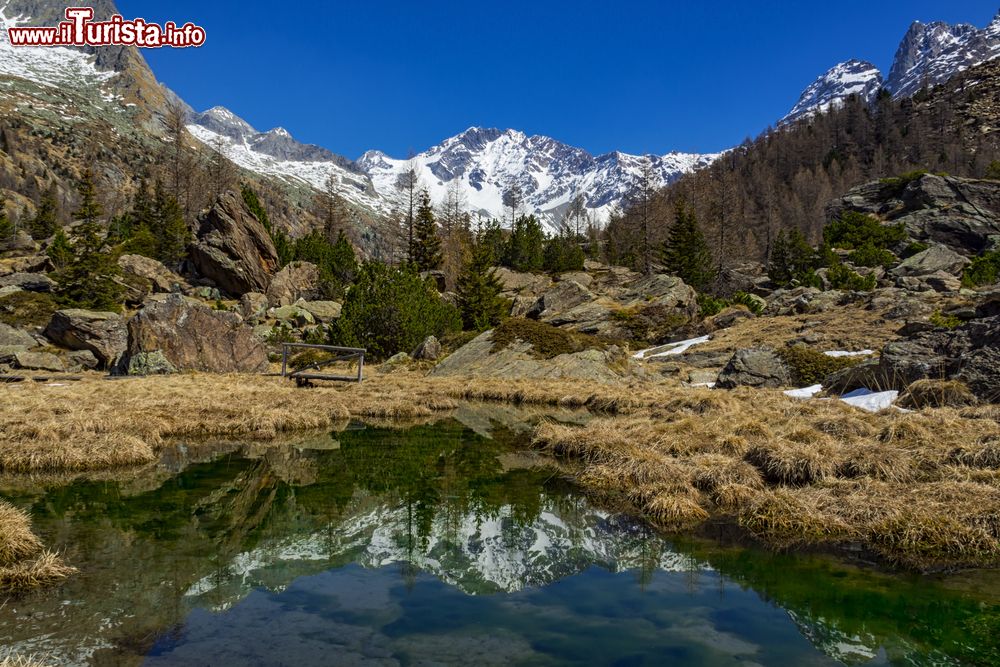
<point x="785" y="178"/>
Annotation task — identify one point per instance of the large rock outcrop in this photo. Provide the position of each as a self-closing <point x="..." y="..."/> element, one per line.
<point x="644" y="307"/>
<point x="104" y="334"/>
<point x="232" y="248"/>
<point x="11" y="336"/>
<point x="479" y="358"/>
<point x="160" y="278"/>
<point x="298" y="280"/>
<point x="189" y="335"/>
<point x="969" y="353"/>
<point x="960" y="213"/>
<point x="29" y="282"/>
<point x="754" y="367"/>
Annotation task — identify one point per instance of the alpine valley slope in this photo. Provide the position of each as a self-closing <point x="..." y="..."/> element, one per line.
<point x="929" y="54"/>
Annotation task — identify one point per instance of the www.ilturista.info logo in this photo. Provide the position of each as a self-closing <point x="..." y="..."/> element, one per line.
<point x="79" y="30"/>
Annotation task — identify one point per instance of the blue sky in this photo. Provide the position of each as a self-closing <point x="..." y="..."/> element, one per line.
<point x="626" y="75"/>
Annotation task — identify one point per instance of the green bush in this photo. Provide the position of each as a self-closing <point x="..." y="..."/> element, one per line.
<point x="894" y="185"/>
<point x="984" y="270"/>
<point x="390" y="310"/>
<point x="709" y="305"/>
<point x="754" y="305"/>
<point x="280" y="333"/>
<point x="842" y="278"/>
<point x="810" y="366"/>
<point x="854" y="230"/>
<point x="943" y="321"/>
<point x="869" y="255"/>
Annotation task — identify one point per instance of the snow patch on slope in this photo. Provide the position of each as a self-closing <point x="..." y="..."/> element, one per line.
<point x="53" y="66"/>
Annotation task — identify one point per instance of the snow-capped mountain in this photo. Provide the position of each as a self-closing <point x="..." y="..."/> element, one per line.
<point x="486" y="162"/>
<point x="929" y="53"/>
<point x="276" y="154"/>
<point x="932" y="53"/>
<point x="854" y="77"/>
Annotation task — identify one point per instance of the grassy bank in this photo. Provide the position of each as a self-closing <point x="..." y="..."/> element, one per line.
<point x="921" y="489"/>
<point x="24" y="564"/>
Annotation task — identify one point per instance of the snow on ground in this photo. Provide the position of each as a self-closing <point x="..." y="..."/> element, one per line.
<point x="805" y="392"/>
<point x="845" y="353"/>
<point x="313" y="174"/>
<point x="872" y="401"/>
<point x="670" y="349"/>
<point x="55" y="66"/>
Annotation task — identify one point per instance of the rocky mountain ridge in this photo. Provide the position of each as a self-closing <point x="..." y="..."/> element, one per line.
<point x="928" y="55"/>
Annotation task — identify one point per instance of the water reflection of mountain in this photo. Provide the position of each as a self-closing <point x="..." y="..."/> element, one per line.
<point x="434" y="499"/>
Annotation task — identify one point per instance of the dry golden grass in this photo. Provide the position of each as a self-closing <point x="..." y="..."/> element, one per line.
<point x="22" y="661"/>
<point x="23" y="563"/>
<point x="16" y="539"/>
<point x="789" y="471"/>
<point x="846" y="328"/>
<point x="920" y="489"/>
<point x="98" y="424"/>
<point x="936" y="394"/>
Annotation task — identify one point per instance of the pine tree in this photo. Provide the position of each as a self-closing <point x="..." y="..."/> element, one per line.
<point x="171" y="232"/>
<point x="60" y="251"/>
<point x="46" y="220"/>
<point x="7" y="230"/>
<point x="779" y="266"/>
<point x="89" y="209"/>
<point x="91" y="278"/>
<point x="426" y="249"/>
<point x="525" y="249"/>
<point x="479" y="299"/>
<point x="685" y="252"/>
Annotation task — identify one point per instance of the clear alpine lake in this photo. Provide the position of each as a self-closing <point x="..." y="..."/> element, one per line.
<point x="436" y="545"/>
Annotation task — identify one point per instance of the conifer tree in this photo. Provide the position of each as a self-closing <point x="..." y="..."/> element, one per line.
<point x="479" y="299"/>
<point x="525" y="247"/>
<point x="46" y="220"/>
<point x="60" y="251"/>
<point x="685" y="252"/>
<point x="6" y="226"/>
<point x="91" y="279"/>
<point x="89" y="209"/>
<point x="171" y="232"/>
<point x="426" y="250"/>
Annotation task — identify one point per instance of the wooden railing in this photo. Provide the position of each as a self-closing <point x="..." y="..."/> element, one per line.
<point x="313" y="371"/>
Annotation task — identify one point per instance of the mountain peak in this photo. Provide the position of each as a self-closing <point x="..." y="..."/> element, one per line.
<point x="222" y="121"/>
<point x="931" y="53"/>
<point x="831" y="89"/>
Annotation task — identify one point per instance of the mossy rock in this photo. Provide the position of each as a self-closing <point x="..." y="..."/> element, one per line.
<point x="546" y="340"/>
<point x="25" y="309"/>
<point x="810" y="366"/>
